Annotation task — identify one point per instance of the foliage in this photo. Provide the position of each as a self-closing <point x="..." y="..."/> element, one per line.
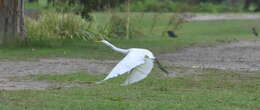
<point x="211" y="6"/>
<point x="178" y="6"/>
<point x="56" y="26"/>
<point x="148" y="5"/>
<point x="52" y="28"/>
<point x="215" y="8"/>
<point x="117" y="27"/>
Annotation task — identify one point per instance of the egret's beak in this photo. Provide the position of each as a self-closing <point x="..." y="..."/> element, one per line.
<point x="98" y="41"/>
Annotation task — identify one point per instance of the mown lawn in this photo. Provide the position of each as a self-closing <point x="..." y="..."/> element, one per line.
<point x="213" y="90"/>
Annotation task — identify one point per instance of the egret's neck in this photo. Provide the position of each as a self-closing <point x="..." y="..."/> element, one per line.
<point x="124" y="51"/>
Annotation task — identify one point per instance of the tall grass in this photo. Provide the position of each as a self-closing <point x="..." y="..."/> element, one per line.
<point x="53" y="26"/>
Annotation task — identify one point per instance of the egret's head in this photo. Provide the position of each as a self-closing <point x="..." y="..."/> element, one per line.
<point x="101" y="41"/>
<point x="104" y="42"/>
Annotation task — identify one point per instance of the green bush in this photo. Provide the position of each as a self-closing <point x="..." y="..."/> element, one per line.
<point x="149" y="6"/>
<point x="177" y="6"/>
<point x="56" y="26"/>
<point x="213" y="8"/>
<point x="117" y="28"/>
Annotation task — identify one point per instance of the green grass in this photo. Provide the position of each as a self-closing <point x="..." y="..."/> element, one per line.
<point x="73" y="77"/>
<point x="202" y="33"/>
<point x="215" y="90"/>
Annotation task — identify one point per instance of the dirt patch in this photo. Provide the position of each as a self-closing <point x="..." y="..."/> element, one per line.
<point x="6" y="84"/>
<point x="48" y="66"/>
<point x="55" y="66"/>
<point x="228" y="16"/>
<point x="244" y="55"/>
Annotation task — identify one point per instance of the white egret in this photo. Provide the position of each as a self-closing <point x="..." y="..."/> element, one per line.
<point x="138" y="62"/>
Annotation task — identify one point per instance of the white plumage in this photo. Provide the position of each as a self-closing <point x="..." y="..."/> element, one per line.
<point x="138" y="62"/>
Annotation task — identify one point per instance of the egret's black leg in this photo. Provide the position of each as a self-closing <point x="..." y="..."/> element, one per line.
<point x="161" y="67"/>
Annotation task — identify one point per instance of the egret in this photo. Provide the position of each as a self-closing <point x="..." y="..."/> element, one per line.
<point x="138" y="62"/>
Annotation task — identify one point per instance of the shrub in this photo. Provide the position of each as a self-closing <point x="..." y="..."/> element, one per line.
<point x="178" y="6"/>
<point x="117" y="28"/>
<point x="55" y="26"/>
<point x="213" y="8"/>
<point x="149" y="6"/>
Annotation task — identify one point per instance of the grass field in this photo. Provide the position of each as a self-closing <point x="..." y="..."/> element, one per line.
<point x="213" y="90"/>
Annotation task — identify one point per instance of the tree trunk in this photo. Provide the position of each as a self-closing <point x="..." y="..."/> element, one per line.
<point x="247" y="4"/>
<point x="31" y="1"/>
<point x="1" y="4"/>
<point x="233" y="2"/>
<point x="11" y="20"/>
<point x="257" y="5"/>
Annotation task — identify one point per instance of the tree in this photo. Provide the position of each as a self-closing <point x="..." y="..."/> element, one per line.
<point x="11" y="20"/>
<point x="258" y="6"/>
<point x="31" y="1"/>
<point x="88" y="5"/>
<point x="248" y="3"/>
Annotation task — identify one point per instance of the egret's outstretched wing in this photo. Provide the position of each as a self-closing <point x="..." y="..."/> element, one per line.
<point x="140" y="72"/>
<point x="130" y="61"/>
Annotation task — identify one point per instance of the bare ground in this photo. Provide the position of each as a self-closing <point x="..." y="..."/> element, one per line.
<point x="6" y="84"/>
<point x="238" y="56"/>
<point x="11" y="69"/>
<point x="243" y="55"/>
<point x="227" y="16"/>
<point x="54" y="66"/>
